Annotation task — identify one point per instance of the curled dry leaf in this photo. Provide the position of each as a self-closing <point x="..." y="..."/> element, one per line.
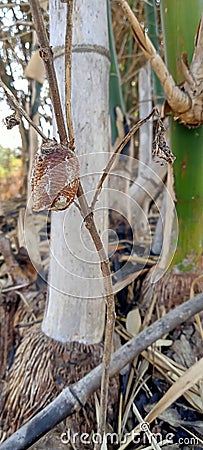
<point x="55" y="177"/>
<point x="160" y="147"/>
<point x="12" y="120"/>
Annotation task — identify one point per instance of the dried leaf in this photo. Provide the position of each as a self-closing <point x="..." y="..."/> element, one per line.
<point x="12" y="120"/>
<point x="183" y="384"/>
<point x="35" y="69"/>
<point x="184" y="353"/>
<point x="133" y="322"/>
<point x="172" y="371"/>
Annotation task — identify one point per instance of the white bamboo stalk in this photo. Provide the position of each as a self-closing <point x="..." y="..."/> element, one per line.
<point x="75" y="309"/>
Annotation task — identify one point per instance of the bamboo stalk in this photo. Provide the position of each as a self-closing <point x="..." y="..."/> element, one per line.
<point x="187" y="144"/>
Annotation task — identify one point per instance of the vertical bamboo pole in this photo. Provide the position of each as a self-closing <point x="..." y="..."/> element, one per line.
<point x="180" y="21"/>
<point x="76" y="308"/>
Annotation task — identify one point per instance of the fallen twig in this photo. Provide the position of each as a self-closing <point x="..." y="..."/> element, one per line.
<point x="197" y="317"/>
<point x="71" y="399"/>
<point x="138" y="259"/>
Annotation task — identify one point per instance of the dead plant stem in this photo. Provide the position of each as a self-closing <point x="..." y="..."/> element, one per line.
<point x="68" y="54"/>
<point x="47" y="56"/>
<point x="116" y="153"/>
<point x="13" y="102"/>
<point x="87" y="214"/>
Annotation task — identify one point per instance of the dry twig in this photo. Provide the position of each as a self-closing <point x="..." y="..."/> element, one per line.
<point x="68" y="53"/>
<point x="197" y="317"/>
<point x="86" y="212"/>
<point x="47" y="56"/>
<point x="117" y="152"/>
<point x="16" y="106"/>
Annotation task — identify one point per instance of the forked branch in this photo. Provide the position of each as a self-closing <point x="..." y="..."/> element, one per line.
<point x="185" y="102"/>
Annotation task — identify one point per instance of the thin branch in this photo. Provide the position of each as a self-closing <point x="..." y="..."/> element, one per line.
<point x="66" y="402"/>
<point x="110" y="314"/>
<point x="68" y="54"/>
<point x="85" y="210"/>
<point x="116" y="153"/>
<point x="9" y="37"/>
<point x="20" y="22"/>
<point x="47" y="56"/>
<point x="7" y="5"/>
<point x="16" y="106"/>
<point x="14" y="287"/>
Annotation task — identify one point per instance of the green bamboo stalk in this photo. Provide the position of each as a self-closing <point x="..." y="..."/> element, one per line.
<point x="153" y="33"/>
<point x="180" y="21"/>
